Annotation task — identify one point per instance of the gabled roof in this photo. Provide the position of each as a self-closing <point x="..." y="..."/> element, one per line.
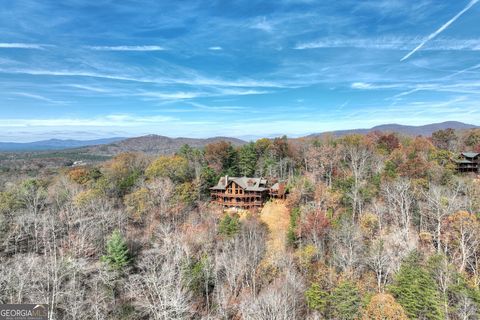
<point x="470" y="154"/>
<point x="246" y="183"/>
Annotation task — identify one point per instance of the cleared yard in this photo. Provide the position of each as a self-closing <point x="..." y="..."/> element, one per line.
<point x="277" y="217"/>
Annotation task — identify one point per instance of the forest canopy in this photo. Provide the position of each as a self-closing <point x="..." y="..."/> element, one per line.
<point x="377" y="226"/>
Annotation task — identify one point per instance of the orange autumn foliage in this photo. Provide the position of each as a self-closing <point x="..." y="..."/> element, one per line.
<point x="384" y="307"/>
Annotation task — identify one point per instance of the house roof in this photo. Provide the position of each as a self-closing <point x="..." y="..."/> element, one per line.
<point x="470" y="154"/>
<point x="464" y="161"/>
<point x="246" y="183"/>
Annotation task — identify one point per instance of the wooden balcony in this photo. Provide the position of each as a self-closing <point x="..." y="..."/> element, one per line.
<point x="244" y="195"/>
<point x="239" y="204"/>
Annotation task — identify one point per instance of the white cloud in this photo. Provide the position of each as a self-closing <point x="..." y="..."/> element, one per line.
<point x="193" y="80"/>
<point x="262" y="24"/>
<point x="170" y="95"/>
<point x="113" y="120"/>
<point x="22" y="46"/>
<point x="240" y="92"/>
<point x="372" y="86"/>
<point x="392" y="43"/>
<point x="88" y="88"/>
<point x="127" y="48"/>
<point x="216" y="48"/>
<point x="440" y="30"/>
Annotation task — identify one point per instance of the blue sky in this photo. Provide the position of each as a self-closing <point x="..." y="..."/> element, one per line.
<point x="91" y="69"/>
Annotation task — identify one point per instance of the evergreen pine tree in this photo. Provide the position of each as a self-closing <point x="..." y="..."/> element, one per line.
<point x="291" y="232"/>
<point x="415" y="289"/>
<point x="247" y="160"/>
<point x="317" y="298"/>
<point x="117" y="256"/>
<point x="345" y="301"/>
<point x="229" y="225"/>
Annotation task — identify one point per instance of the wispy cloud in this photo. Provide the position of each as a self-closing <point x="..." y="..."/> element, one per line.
<point x="391" y="43"/>
<point x="240" y="92"/>
<point x="127" y="48"/>
<point x="13" y="45"/>
<point x="373" y="86"/>
<point x="191" y="80"/>
<point x="170" y="95"/>
<point x="113" y="120"/>
<point x="262" y="24"/>
<point x="202" y="106"/>
<point x="440" y="30"/>
<point x="466" y="70"/>
<point x="88" y="88"/>
<point x="370" y="43"/>
<point x="37" y="97"/>
<point x="216" y="48"/>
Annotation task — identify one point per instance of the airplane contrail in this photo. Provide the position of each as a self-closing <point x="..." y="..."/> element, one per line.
<point x="441" y="29"/>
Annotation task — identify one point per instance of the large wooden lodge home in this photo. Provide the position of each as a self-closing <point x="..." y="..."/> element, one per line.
<point x="468" y="162"/>
<point x="244" y="192"/>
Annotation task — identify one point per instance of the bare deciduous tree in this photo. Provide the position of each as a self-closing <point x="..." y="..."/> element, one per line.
<point x="347" y="246"/>
<point x="282" y="300"/>
<point x="380" y="261"/>
<point x="440" y="202"/>
<point x="159" y="290"/>
<point x="400" y="200"/>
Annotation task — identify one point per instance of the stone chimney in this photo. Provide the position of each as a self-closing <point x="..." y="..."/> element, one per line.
<point x="226" y="180"/>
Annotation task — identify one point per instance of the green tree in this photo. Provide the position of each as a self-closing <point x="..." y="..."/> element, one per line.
<point x="185" y="151"/>
<point x="229" y="225"/>
<point x="317" y="298"/>
<point x="415" y="289"/>
<point x="390" y="170"/>
<point x="292" y="228"/>
<point x="464" y="298"/>
<point x="345" y="301"/>
<point x="247" y="161"/>
<point x="8" y="202"/>
<point x="118" y="255"/>
<point x="208" y="178"/>
<point x="199" y="276"/>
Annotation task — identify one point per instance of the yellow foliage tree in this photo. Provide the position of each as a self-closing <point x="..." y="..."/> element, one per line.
<point x="174" y="167"/>
<point x="138" y="203"/>
<point x="369" y="224"/>
<point x="384" y="307"/>
<point x="87" y="197"/>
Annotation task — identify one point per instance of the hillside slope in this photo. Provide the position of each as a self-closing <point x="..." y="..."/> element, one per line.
<point x="155" y="144"/>
<point x="425" y="130"/>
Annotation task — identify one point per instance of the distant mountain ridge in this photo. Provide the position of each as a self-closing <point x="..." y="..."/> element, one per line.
<point x="156" y="144"/>
<point x="425" y="130"/>
<point x="54" y="144"/>
<point x="150" y="144"/>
